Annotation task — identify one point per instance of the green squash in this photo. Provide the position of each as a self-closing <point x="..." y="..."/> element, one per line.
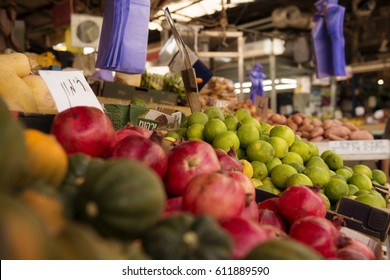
<point x="121" y="199"/>
<point x="12" y="150"/>
<point x="79" y="166"/>
<point x="187" y="237"/>
<point x="283" y="249"/>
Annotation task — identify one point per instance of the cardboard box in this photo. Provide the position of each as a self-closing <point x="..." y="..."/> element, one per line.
<point x="123" y="91"/>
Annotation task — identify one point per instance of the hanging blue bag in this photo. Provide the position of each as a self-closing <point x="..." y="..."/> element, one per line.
<point x="124" y="36"/>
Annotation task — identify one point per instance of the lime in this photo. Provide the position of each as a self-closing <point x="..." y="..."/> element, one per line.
<point x="362" y="181"/>
<point x="226" y="140"/>
<point x="318" y="175"/>
<point x="197" y="117"/>
<point x="280" y="146"/>
<point x="302" y="149"/>
<point x="182" y="131"/>
<point x="265" y="188"/>
<point x="334" y="161"/>
<point x="231" y="122"/>
<point x="284" y="132"/>
<point x="195" y="132"/>
<point x="247" y="133"/>
<point x="327" y="202"/>
<point x="325" y="153"/>
<point x="268" y="181"/>
<point x="352" y="189"/>
<point x="173" y="134"/>
<point x="336" y="189"/>
<point x="363" y="169"/>
<point x="316" y="161"/>
<point x="280" y="174"/>
<point x="292" y="157"/>
<point x="380" y="199"/>
<point x="299" y="167"/>
<point x="313" y="148"/>
<point x="259" y="170"/>
<point x="214" y="112"/>
<point x="260" y="150"/>
<point x="240" y="153"/>
<point x="242" y="113"/>
<point x="271" y="164"/>
<point x="345" y="172"/>
<point x="297" y="138"/>
<point x="251" y="121"/>
<point x="370" y="199"/>
<point x="264" y="137"/>
<point x="338" y="176"/>
<point x="265" y="127"/>
<point x="256" y="182"/>
<point x="379" y="176"/>
<point x="299" y="179"/>
<point x="212" y="128"/>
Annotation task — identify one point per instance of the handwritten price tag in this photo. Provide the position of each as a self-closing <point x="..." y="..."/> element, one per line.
<point x="69" y="89"/>
<point x="354" y="147"/>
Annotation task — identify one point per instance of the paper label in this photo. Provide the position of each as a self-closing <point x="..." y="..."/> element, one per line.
<point x="354" y="147"/>
<point x="69" y="89"/>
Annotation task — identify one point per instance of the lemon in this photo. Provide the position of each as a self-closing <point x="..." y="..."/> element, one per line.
<point x="247" y="168"/>
<point x="247" y="133"/>
<point x="327" y="202"/>
<point x="280" y="146"/>
<point x="345" y="172"/>
<point x="316" y="161"/>
<point x="256" y="182"/>
<point x="299" y="167"/>
<point x="212" y="128"/>
<point x="240" y="153"/>
<point x="260" y="150"/>
<point x="280" y="174"/>
<point x="352" y="189"/>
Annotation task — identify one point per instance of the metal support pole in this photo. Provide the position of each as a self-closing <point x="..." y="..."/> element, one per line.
<point x="333" y="93"/>
<point x="240" y="43"/>
<point x="272" y="74"/>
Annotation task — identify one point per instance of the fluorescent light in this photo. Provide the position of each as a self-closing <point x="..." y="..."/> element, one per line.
<point x="380" y="82"/>
<point x="288" y="81"/>
<point x="285" y="86"/>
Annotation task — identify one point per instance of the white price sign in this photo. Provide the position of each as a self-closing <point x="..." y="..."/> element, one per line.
<point x="69" y="89"/>
<point x="354" y="147"/>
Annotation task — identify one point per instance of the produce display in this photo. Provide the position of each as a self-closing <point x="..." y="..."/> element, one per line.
<point x="185" y="194"/>
<point x="315" y="130"/>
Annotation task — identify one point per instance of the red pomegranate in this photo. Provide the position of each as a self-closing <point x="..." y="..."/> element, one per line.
<point x="269" y="217"/>
<point x="250" y="212"/>
<point x="214" y="194"/>
<point x="246" y="234"/>
<point x="269" y="203"/>
<point x="132" y="130"/>
<point x="172" y="206"/>
<point x="300" y="201"/>
<point x="142" y="149"/>
<point x="228" y="160"/>
<point x="187" y="160"/>
<point x="85" y="130"/>
<point x="317" y="232"/>
<point x="273" y="232"/>
<point x="246" y="183"/>
<point x="353" y="249"/>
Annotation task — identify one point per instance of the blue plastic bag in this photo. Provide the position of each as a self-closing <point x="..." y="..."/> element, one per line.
<point x="124" y="36"/>
<point x="256" y="76"/>
<point x="328" y="39"/>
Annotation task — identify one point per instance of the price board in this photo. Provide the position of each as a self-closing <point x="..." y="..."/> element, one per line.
<point x="354" y="147"/>
<point x="69" y="89"/>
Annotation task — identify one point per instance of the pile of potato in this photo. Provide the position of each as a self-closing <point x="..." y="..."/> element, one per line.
<point x="315" y="130"/>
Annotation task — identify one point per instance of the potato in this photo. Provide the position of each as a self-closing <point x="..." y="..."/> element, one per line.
<point x="316" y="132"/>
<point x="361" y="135"/>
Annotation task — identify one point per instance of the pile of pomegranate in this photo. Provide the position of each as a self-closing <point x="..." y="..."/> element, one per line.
<point x="203" y="180"/>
